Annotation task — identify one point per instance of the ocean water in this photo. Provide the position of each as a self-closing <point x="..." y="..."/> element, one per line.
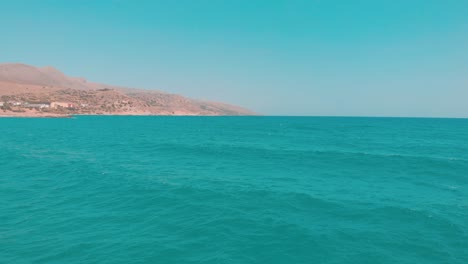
<point x="233" y="190"/>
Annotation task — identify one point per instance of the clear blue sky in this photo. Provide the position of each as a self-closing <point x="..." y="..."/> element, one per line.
<point x="279" y="57"/>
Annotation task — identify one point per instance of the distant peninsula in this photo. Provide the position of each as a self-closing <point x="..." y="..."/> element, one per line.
<point x="28" y="91"/>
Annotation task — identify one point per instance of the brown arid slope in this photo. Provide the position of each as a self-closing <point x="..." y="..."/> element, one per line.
<point x="31" y="91"/>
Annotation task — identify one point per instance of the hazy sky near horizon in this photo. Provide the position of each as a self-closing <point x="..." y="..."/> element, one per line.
<point x="278" y="57"/>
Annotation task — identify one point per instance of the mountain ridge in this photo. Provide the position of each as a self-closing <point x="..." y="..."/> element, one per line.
<point x="23" y="86"/>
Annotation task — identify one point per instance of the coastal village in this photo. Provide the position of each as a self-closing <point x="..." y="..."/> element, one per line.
<point x="66" y="102"/>
<point x="18" y="105"/>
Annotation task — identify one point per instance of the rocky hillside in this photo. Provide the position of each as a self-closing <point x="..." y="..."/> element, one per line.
<point x="28" y="90"/>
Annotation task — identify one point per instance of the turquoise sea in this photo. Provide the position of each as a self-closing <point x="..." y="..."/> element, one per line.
<point x="233" y="190"/>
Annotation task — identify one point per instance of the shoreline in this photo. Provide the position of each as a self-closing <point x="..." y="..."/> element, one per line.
<point x="35" y="115"/>
<point x="22" y="115"/>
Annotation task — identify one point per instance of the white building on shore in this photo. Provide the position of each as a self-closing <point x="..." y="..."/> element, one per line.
<point x="37" y="105"/>
<point x="61" y="105"/>
<point x="15" y="103"/>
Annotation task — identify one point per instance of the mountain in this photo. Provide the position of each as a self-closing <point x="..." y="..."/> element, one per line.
<point x="33" y="91"/>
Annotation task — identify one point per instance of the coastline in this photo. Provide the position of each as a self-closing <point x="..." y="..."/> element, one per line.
<point x="28" y="115"/>
<point x="51" y="115"/>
